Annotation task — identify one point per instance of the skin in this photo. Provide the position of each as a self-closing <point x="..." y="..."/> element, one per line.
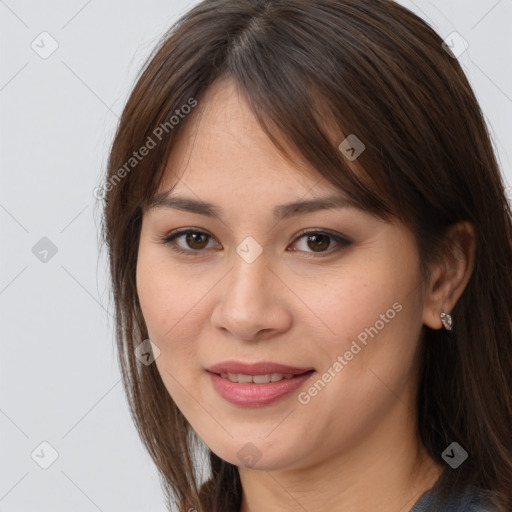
<point x="354" y="446"/>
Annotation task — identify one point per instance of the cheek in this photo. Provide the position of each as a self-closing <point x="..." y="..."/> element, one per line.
<point x="371" y="317"/>
<point x="172" y="307"/>
<point x="356" y="301"/>
<point x="369" y="361"/>
<point x="157" y="289"/>
<point x="172" y="325"/>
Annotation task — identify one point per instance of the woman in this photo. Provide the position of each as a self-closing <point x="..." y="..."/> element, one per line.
<point x="310" y="249"/>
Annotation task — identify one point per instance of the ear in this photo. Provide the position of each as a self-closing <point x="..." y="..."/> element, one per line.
<point x="450" y="276"/>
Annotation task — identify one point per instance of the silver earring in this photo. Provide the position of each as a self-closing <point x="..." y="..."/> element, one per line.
<point x="447" y="321"/>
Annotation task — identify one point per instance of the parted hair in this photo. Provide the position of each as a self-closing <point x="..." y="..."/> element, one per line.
<point x="308" y="69"/>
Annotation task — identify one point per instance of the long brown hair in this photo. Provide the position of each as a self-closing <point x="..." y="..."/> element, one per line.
<point x="376" y="70"/>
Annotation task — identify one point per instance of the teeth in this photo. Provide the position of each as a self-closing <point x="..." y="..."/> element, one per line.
<point x="257" y="379"/>
<point x="261" y="379"/>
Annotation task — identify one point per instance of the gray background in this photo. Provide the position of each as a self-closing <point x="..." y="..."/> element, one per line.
<point x="59" y="378"/>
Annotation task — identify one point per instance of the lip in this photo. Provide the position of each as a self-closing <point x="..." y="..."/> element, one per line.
<point x="259" y="368"/>
<point x="250" y="394"/>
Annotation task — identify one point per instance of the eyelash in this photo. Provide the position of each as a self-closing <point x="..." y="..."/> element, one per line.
<point x="170" y="238"/>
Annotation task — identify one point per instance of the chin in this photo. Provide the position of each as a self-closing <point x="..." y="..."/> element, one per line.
<point x="253" y="452"/>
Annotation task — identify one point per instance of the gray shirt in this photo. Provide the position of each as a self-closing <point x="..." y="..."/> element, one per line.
<point x="470" y="501"/>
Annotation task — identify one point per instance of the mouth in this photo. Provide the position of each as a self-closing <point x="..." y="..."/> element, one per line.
<point x="256" y="369"/>
<point x="256" y="384"/>
<point x="265" y="378"/>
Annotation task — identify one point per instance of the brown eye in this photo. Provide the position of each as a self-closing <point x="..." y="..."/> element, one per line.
<point x="319" y="241"/>
<point x="193" y="241"/>
<point x="196" y="240"/>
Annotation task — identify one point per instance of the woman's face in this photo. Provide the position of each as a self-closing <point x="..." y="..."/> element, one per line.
<point x="251" y="287"/>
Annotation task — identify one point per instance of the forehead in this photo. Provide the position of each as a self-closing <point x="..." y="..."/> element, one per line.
<point x="222" y="145"/>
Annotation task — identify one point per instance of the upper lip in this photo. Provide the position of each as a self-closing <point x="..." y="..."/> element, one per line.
<point x="259" y="368"/>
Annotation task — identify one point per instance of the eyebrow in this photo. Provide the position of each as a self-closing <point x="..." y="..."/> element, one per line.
<point x="283" y="211"/>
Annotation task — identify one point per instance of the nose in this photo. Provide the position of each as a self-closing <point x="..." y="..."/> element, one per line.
<point x="251" y="302"/>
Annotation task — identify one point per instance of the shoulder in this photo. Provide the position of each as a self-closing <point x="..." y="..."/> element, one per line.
<point x="471" y="500"/>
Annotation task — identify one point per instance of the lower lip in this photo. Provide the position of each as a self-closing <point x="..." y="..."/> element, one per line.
<point x="250" y="394"/>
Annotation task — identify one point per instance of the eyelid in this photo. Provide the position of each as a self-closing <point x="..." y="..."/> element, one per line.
<point x="339" y="238"/>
